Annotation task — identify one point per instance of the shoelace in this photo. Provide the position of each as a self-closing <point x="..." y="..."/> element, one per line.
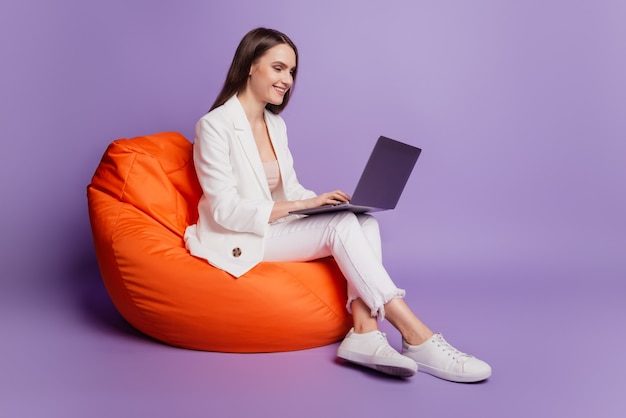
<point x="455" y="354"/>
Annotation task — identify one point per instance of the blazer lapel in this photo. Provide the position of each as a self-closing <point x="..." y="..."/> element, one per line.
<point x="244" y="133"/>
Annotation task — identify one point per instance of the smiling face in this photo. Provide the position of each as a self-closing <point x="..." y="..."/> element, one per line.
<point x="271" y="76"/>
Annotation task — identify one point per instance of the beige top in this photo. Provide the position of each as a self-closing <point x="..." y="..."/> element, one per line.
<point x="272" y="172"/>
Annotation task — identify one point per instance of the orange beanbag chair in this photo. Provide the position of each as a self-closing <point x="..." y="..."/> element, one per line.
<point x="142" y="196"/>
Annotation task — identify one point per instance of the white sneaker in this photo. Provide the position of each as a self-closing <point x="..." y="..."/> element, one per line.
<point x="435" y="356"/>
<point x="372" y="350"/>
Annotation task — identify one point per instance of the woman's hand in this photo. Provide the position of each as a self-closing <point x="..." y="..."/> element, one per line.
<point x="282" y="209"/>
<point x="329" y="198"/>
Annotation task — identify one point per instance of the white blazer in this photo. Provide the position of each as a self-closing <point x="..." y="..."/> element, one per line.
<point x="234" y="210"/>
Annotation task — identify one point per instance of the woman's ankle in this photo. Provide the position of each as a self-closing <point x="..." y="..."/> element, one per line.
<point x="417" y="338"/>
<point x="362" y="319"/>
<point x="365" y="328"/>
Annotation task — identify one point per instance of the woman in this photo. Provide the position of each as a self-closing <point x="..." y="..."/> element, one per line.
<point x="249" y="187"/>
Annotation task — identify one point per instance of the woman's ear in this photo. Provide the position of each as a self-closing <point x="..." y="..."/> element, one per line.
<point x="252" y="68"/>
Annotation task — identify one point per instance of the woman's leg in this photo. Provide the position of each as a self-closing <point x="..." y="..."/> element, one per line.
<point x="355" y="244"/>
<point x="404" y="320"/>
<point x="352" y="240"/>
<point x="363" y="321"/>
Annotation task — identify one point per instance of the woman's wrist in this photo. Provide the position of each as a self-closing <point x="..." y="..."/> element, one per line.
<point x="299" y="204"/>
<point x="282" y="209"/>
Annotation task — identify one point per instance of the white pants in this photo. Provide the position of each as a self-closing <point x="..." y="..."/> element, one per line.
<point x="354" y="242"/>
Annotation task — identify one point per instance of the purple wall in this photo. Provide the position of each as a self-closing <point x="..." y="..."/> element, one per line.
<point x="519" y="108"/>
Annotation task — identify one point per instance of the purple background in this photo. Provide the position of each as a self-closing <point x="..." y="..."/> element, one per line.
<point x="510" y="236"/>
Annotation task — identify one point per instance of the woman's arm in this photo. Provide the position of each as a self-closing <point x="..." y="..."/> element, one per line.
<point x="227" y="179"/>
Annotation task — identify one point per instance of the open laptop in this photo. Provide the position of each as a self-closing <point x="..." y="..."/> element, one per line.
<point x="382" y="182"/>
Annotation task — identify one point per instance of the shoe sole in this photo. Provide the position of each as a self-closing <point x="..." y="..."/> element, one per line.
<point x="384" y="367"/>
<point x="453" y="377"/>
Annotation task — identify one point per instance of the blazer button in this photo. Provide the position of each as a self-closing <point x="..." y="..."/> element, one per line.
<point x="236" y="252"/>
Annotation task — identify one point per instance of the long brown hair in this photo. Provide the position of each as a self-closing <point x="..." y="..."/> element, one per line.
<point x="252" y="47"/>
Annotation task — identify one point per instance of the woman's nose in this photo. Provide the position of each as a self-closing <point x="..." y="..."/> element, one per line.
<point x="288" y="79"/>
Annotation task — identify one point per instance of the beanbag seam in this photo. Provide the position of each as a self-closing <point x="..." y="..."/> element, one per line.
<point x="302" y="283"/>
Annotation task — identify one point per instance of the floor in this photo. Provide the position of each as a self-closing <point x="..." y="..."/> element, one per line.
<point x="553" y="335"/>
